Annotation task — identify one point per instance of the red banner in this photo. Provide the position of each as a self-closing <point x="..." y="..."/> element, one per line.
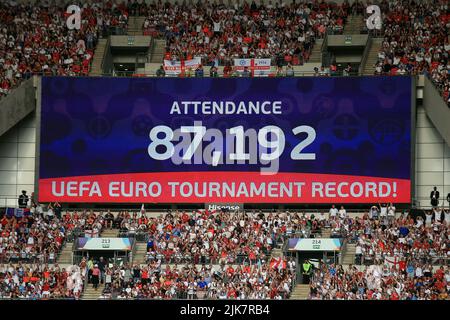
<point x="245" y="187"/>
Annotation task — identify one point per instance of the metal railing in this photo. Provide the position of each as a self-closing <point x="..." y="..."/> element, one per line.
<point x="27" y="258"/>
<point x="189" y="258"/>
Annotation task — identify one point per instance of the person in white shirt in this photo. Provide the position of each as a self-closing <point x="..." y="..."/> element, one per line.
<point x="419" y="272"/>
<point x="419" y="222"/>
<point x="342" y="213"/>
<point x="373" y="213"/>
<point x="391" y="212"/>
<point x="383" y="212"/>
<point x="447" y="217"/>
<point x="322" y="216"/>
<point x="358" y="254"/>
<point x="437" y="215"/>
<point x="333" y="212"/>
<point x="428" y="218"/>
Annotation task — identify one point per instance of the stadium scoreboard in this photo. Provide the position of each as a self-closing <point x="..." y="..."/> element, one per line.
<point x="238" y="140"/>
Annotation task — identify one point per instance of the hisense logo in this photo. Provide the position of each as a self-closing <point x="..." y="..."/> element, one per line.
<point x="221" y="207"/>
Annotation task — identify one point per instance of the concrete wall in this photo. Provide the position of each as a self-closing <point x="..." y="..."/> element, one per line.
<point x="16" y="105"/>
<point x="432" y="160"/>
<point x="17" y="160"/>
<point x="437" y="109"/>
<point x="357" y="40"/>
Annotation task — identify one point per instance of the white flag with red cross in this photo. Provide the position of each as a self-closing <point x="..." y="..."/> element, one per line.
<point x="278" y="263"/>
<point x="257" y="67"/>
<point x="175" y="67"/>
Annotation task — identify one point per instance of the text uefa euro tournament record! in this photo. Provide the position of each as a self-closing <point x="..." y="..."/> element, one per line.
<point x="273" y="140"/>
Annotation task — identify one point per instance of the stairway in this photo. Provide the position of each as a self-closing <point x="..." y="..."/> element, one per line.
<point x="349" y="254"/>
<point x="140" y="253"/>
<point x="109" y="233"/>
<point x="372" y="56"/>
<point x="91" y="294"/>
<point x="158" y="51"/>
<point x="135" y="26"/>
<point x="96" y="68"/>
<point x="66" y="254"/>
<point x="301" y="292"/>
<point x="316" y="53"/>
<point x="355" y="24"/>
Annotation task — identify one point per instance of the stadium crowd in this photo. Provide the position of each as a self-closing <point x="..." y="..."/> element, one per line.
<point x="416" y="41"/>
<point x="38" y="236"/>
<point x="34" y="39"/>
<point x="412" y="282"/>
<point x="40" y="282"/>
<point x="220" y="32"/>
<point x="259" y="281"/>
<point x="383" y="235"/>
<point x="203" y="236"/>
<point x="405" y="257"/>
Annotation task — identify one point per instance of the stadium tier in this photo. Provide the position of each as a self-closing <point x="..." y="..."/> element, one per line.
<point x="224" y="150"/>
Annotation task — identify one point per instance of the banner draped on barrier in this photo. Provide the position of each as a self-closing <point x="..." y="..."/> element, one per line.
<point x="17" y="212"/>
<point x="257" y="67"/>
<point x="174" y="68"/>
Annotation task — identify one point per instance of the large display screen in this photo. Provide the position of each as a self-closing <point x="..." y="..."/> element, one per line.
<point x="242" y="140"/>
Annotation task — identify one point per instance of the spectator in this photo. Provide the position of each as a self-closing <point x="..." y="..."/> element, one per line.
<point x="213" y="72"/>
<point x="57" y="208"/>
<point x="333" y="212"/>
<point x="348" y="69"/>
<point x="95" y="276"/>
<point x="23" y="199"/>
<point x="199" y="71"/>
<point x="289" y="70"/>
<point x="448" y="199"/>
<point x="109" y="219"/>
<point x="333" y="69"/>
<point x="246" y="73"/>
<point x="161" y="72"/>
<point x="434" y="196"/>
<point x="307" y="269"/>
